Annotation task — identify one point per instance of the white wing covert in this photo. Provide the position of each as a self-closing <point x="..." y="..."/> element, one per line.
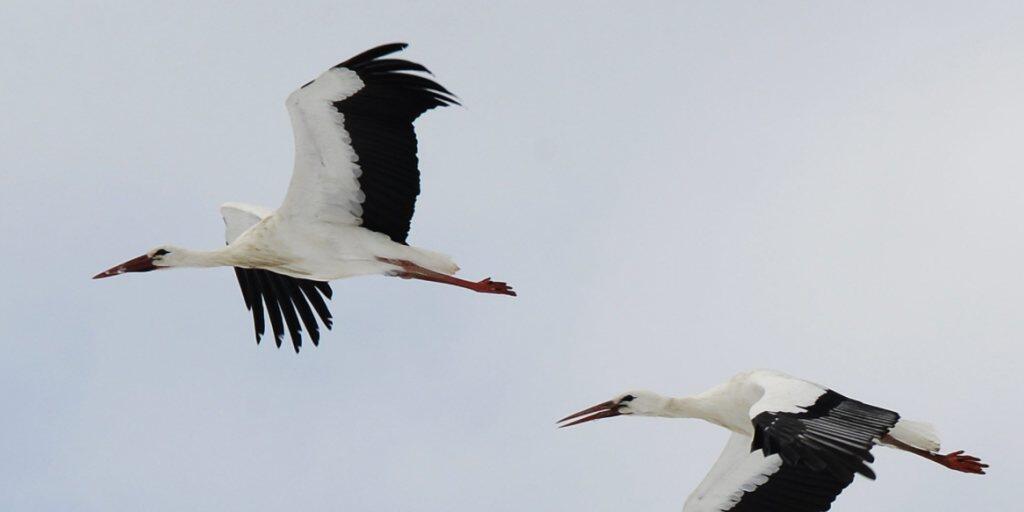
<point x="738" y="470"/>
<point x="239" y="217"/>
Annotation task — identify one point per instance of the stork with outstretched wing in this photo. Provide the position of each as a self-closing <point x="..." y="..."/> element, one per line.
<point x="795" y="445"/>
<point x="348" y="207"/>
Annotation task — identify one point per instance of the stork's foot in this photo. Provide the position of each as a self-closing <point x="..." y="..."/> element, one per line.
<point x="488" y="286"/>
<point x="960" y="462"/>
<point x="410" y="270"/>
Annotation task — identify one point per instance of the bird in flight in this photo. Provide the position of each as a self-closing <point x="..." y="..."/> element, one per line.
<point x="794" y="446"/>
<point x="349" y="204"/>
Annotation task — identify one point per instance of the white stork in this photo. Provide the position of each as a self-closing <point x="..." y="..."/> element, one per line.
<point x="794" y="447"/>
<point x="349" y="204"/>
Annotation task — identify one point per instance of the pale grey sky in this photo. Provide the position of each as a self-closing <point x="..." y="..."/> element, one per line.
<point x="678" y="190"/>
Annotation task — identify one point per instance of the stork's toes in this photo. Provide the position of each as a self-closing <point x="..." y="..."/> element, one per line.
<point x="488" y="286"/>
<point x="965" y="463"/>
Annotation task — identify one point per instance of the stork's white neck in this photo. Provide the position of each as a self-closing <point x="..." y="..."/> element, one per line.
<point x="685" y="407"/>
<point x="714" y="406"/>
<point x="705" y="406"/>
<point x="188" y="258"/>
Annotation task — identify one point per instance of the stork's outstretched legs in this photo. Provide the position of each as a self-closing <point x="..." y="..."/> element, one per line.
<point x="411" y="270"/>
<point x="955" y="460"/>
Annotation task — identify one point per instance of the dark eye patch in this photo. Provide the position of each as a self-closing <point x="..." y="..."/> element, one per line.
<point x="627" y="398"/>
<point x="161" y="252"/>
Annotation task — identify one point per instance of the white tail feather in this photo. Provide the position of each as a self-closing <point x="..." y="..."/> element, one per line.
<point x="918" y="434"/>
<point x="434" y="261"/>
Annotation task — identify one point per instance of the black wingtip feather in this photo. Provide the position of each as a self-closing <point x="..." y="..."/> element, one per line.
<point x="248" y="282"/>
<point x="273" y="306"/>
<point x="323" y="286"/>
<point x="246" y="289"/>
<point x="315" y="300"/>
<point x="287" y="299"/>
<point x="373" y="53"/>
<point x="303" y="309"/>
<point x="291" y="320"/>
<point x="390" y="65"/>
<point x="371" y="68"/>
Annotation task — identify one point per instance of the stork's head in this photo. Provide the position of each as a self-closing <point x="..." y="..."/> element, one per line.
<point x="640" y="403"/>
<point x="156" y="258"/>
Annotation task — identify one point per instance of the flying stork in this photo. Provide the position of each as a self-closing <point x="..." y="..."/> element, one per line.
<point x="348" y="206"/>
<point x="794" y="446"/>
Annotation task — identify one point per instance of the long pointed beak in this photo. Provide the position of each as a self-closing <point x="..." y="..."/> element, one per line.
<point x="143" y="263"/>
<point x="601" y="410"/>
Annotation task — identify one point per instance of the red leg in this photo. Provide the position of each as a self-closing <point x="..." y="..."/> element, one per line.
<point x="960" y="462"/>
<point x="414" y="271"/>
<point x="955" y="460"/>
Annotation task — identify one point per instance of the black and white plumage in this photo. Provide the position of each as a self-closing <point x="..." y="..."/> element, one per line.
<point x="355" y="147"/>
<point x="349" y="204"/>
<point x="281" y="298"/>
<point x="794" y="445"/>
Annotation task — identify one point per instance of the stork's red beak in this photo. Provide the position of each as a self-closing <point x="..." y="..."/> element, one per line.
<point x="601" y="410"/>
<point x="143" y="263"/>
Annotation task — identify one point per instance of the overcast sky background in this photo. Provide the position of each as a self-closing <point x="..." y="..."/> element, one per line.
<point x="679" y="191"/>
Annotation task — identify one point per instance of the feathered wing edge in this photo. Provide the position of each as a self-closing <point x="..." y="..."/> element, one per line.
<point x="378" y="119"/>
<point x="285" y="300"/>
<point x="374" y="70"/>
<point x="801" y="461"/>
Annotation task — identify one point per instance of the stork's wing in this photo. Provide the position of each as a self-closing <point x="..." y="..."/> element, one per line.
<point x="239" y="217"/>
<point x="796" y="461"/>
<point x="284" y="296"/>
<point x="355" y="148"/>
<point x="737" y="470"/>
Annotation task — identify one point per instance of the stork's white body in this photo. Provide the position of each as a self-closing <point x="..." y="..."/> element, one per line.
<point x="321" y="252"/>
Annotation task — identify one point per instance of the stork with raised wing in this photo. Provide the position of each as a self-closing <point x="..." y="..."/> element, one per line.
<point x="348" y="207"/>
<point x="794" y="446"/>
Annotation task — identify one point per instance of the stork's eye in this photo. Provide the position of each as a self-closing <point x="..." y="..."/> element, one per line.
<point x="161" y="252"/>
<point x="627" y="398"/>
